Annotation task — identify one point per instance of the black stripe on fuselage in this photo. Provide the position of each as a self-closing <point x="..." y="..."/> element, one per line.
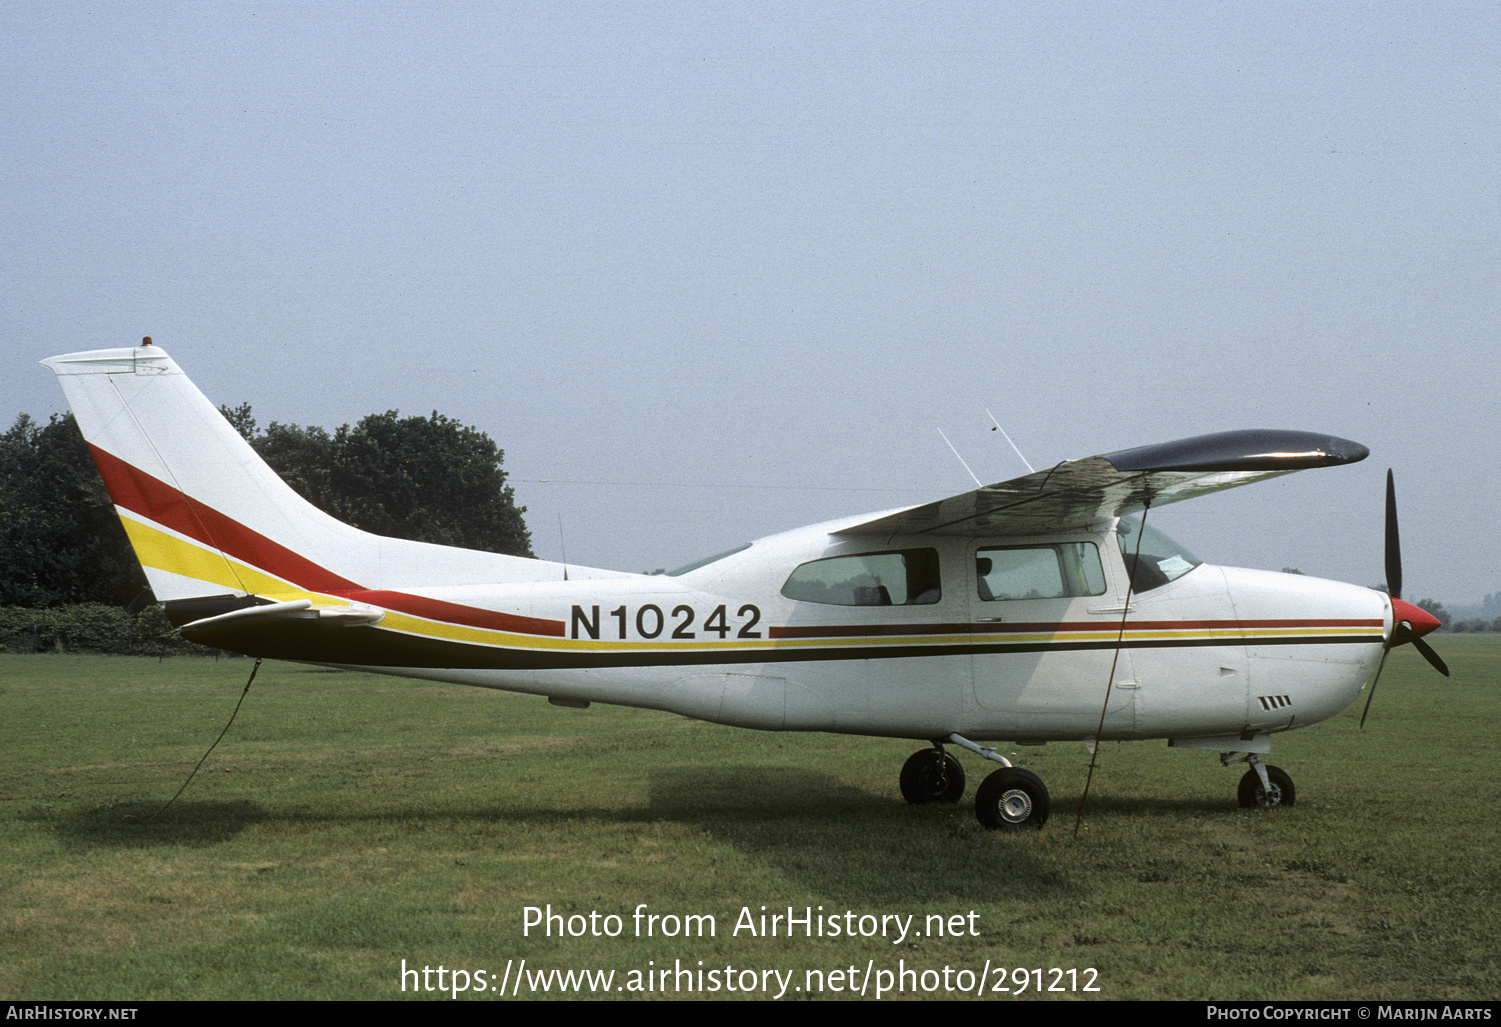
<point x="310" y="642"/>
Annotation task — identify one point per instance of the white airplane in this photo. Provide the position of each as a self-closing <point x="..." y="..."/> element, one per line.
<point x="1034" y="610"/>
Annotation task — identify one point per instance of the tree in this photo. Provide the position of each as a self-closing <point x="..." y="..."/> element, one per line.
<point x="304" y="457"/>
<point x="60" y="540"/>
<point x="241" y="420"/>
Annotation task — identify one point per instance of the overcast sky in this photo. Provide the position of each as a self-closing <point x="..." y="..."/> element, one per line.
<point x="732" y="266"/>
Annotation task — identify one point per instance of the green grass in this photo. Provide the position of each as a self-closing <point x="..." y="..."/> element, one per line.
<point x="348" y="822"/>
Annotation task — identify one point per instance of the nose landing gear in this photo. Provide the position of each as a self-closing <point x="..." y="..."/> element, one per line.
<point x="1264" y="786"/>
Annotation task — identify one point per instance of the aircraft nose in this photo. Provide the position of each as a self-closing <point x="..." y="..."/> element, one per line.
<point x="1420" y="620"/>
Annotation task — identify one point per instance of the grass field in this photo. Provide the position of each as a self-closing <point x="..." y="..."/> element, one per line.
<point x="350" y="822"/>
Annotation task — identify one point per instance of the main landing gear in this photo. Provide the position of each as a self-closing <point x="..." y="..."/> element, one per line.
<point x="932" y="775"/>
<point x="1264" y="786"/>
<point x="1008" y="800"/>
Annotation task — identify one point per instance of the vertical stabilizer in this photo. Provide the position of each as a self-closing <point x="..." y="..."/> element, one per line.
<point x="208" y="517"/>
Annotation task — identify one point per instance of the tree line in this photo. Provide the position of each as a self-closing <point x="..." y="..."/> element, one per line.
<point x="1447" y="621"/>
<point x="431" y="479"/>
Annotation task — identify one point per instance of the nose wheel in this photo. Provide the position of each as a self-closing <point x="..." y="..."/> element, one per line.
<point x="1276" y="790"/>
<point x="1264" y="786"/>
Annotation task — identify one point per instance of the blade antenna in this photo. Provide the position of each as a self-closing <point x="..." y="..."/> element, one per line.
<point x="1030" y="468"/>
<point x="978" y="483"/>
<point x="1120" y="636"/>
<point x="562" y="545"/>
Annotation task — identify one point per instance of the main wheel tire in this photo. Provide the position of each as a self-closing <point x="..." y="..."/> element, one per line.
<point x="1012" y="799"/>
<point x="1254" y="796"/>
<point x="932" y="776"/>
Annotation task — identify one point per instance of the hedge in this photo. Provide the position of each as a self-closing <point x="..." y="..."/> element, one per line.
<point x="93" y="628"/>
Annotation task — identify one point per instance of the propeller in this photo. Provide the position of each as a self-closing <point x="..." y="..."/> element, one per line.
<point x="1409" y="623"/>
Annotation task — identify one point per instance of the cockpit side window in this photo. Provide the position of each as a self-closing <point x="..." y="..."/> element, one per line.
<point x="1161" y="559"/>
<point x="1055" y="571"/>
<point x="907" y="577"/>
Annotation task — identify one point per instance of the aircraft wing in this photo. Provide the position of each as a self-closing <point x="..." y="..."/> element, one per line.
<point x="1080" y="493"/>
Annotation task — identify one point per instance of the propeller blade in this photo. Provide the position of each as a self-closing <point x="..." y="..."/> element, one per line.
<point x="1431" y="656"/>
<point x="1372" y="694"/>
<point x="1393" y="542"/>
<point x="1402" y="634"/>
<point x="1409" y="623"/>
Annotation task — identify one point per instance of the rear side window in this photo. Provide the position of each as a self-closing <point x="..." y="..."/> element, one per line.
<point x="1056" y="571"/>
<point x="906" y="577"/>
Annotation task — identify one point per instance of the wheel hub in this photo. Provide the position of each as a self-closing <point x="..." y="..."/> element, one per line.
<point x="935" y="780"/>
<point x="1015" y="806"/>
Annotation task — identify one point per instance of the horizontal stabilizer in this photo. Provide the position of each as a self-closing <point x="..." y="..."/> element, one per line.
<point x="296" y="609"/>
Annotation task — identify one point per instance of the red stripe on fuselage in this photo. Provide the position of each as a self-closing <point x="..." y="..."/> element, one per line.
<point x="454" y="613"/>
<point x="149" y="496"/>
<point x="144" y="494"/>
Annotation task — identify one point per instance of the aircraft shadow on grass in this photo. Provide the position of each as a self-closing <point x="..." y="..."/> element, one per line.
<point x="799" y="820"/>
<point x="136" y="825"/>
<point x="844" y="843"/>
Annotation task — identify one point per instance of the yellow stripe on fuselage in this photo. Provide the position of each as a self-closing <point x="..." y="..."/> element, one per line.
<point x="166" y="552"/>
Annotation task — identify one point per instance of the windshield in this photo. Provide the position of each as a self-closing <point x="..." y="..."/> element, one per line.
<point x="1160" y="559"/>
<point x="705" y="561"/>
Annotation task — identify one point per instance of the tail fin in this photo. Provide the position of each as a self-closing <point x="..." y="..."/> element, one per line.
<point x="208" y="517"/>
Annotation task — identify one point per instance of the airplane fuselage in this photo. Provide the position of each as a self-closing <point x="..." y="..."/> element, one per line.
<point x="1216" y="651"/>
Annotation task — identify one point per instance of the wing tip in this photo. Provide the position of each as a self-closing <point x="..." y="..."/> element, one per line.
<point x="1255" y="449"/>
